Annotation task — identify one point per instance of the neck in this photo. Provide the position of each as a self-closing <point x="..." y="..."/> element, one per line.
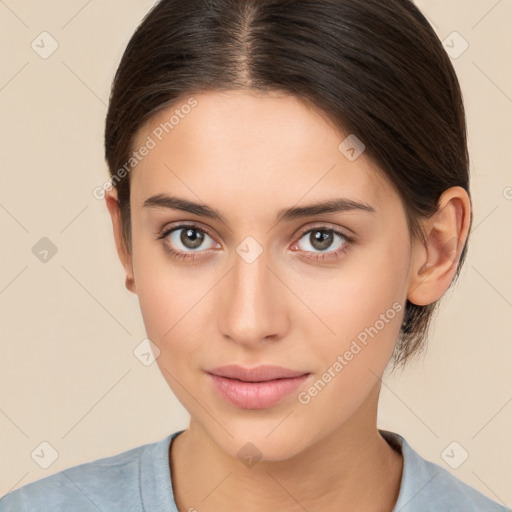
<point x="352" y="468"/>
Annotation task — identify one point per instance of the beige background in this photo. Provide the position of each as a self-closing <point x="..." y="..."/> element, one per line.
<point x="68" y="374"/>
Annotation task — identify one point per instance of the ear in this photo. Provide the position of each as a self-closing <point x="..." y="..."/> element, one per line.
<point x="112" y="202"/>
<point x="434" y="262"/>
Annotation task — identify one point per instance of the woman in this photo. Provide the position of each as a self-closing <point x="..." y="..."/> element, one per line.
<point x="290" y="201"/>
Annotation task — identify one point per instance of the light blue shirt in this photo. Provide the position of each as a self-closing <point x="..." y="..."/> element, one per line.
<point x="139" y="480"/>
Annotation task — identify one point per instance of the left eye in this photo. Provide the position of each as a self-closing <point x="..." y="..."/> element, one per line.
<point x="321" y="239"/>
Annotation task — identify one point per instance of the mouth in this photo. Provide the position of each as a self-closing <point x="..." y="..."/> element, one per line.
<point x="261" y="373"/>
<point x="255" y="388"/>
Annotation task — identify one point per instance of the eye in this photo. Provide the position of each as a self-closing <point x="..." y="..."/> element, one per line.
<point x="182" y="241"/>
<point x="319" y="239"/>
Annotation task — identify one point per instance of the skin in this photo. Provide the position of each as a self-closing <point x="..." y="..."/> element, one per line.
<point x="249" y="155"/>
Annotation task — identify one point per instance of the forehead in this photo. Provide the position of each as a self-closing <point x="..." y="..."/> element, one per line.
<point x="266" y="147"/>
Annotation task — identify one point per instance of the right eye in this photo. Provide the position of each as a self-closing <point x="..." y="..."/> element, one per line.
<point x="184" y="240"/>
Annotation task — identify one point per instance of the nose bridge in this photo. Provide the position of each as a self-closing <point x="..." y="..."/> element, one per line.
<point x="250" y="308"/>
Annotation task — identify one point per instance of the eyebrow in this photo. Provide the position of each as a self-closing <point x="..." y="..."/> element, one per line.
<point x="287" y="214"/>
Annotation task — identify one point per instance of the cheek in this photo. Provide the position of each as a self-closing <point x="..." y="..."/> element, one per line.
<point x="166" y="309"/>
<point x="159" y="295"/>
<point x="168" y="319"/>
<point x="174" y="303"/>
<point x="158" y="285"/>
<point x="346" y="303"/>
<point x="359" y="314"/>
<point x="365" y="315"/>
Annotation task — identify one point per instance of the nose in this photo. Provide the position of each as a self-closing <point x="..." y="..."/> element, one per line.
<point x="252" y="303"/>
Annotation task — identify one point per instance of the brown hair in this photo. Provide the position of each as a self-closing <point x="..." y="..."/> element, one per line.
<point x="375" y="67"/>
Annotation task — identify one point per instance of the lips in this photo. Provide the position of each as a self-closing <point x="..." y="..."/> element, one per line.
<point x="255" y="388"/>
<point x="262" y="373"/>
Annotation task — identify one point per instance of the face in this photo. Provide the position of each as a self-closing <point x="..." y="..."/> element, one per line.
<point x="320" y="293"/>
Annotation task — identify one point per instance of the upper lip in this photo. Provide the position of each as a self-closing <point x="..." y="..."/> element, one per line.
<point x="256" y="374"/>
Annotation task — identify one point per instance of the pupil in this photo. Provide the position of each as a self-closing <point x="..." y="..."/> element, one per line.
<point x="323" y="237"/>
<point x="189" y="239"/>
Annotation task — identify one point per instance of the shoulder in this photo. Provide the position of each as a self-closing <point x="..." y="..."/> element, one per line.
<point x="109" y="483"/>
<point x="427" y="486"/>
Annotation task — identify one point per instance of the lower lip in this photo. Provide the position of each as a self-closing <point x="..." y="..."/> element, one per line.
<point x="255" y="395"/>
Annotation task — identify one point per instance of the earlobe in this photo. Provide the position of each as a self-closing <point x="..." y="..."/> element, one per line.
<point x="112" y="203"/>
<point x="435" y="261"/>
<point x="130" y="283"/>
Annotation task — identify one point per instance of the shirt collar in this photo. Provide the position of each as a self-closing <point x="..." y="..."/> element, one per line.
<point x="157" y="493"/>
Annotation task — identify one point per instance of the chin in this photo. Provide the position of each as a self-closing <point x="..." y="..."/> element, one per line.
<point x="265" y="450"/>
<point x="252" y="443"/>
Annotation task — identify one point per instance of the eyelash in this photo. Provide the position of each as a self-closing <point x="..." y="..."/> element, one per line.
<point x="179" y="255"/>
